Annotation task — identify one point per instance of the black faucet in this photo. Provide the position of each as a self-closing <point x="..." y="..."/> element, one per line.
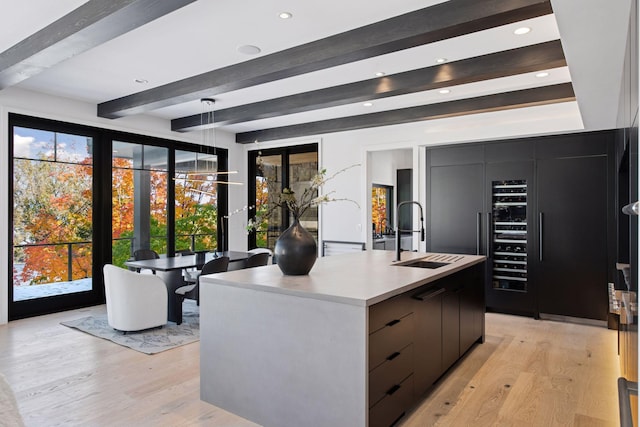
<point x="398" y="230"/>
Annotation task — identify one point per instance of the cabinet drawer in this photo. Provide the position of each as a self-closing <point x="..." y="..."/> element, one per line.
<point x="393" y="337"/>
<point x="393" y="370"/>
<point x="387" y="311"/>
<point x="393" y="405"/>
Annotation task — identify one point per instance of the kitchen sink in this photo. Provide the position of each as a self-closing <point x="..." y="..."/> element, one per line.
<point x="423" y="264"/>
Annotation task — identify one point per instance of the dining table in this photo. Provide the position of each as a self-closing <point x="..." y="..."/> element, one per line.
<point x="169" y="269"/>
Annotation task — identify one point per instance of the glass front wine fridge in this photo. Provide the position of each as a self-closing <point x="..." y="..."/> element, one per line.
<point x="509" y="235"/>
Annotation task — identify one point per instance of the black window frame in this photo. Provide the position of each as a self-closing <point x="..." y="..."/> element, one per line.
<point x="102" y="215"/>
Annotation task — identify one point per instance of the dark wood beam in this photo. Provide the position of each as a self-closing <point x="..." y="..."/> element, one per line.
<point x="445" y="20"/>
<point x="497" y="102"/>
<point x="501" y="64"/>
<point x="93" y="23"/>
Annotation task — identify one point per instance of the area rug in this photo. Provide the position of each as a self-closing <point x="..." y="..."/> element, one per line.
<point x="150" y="341"/>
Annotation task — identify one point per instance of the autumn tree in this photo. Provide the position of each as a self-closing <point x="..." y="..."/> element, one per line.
<point x="53" y="210"/>
<point x="53" y="217"/>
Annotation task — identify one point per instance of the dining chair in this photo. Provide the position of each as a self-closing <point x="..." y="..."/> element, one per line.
<point x="142" y="254"/>
<point x="188" y="274"/>
<point x="216" y="265"/>
<point x="257" y="260"/>
<point x="263" y="250"/>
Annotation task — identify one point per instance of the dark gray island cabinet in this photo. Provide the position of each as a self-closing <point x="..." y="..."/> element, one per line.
<point x="357" y="342"/>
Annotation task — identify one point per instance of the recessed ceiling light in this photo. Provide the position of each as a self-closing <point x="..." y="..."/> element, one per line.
<point x="543" y="74"/>
<point x="368" y="104"/>
<point x="441" y="60"/>
<point x="285" y="15"/>
<point x="248" y="49"/>
<point x="379" y="74"/>
<point x="522" y="30"/>
<point x="141" y="81"/>
<point x="444" y="91"/>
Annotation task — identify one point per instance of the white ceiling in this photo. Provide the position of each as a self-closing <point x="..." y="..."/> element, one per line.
<point x="205" y="35"/>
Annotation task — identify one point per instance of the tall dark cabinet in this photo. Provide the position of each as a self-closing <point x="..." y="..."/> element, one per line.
<point x="455" y="189"/>
<point x="540" y="209"/>
<point x="573" y="208"/>
<point x="404" y="180"/>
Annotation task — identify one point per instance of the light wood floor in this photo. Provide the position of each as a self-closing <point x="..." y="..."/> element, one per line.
<point x="527" y="373"/>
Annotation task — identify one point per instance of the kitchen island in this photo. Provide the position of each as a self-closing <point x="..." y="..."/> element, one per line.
<point x="356" y="342"/>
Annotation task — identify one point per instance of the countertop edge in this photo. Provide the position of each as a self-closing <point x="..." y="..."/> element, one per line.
<point x="414" y="285"/>
<point x="431" y="275"/>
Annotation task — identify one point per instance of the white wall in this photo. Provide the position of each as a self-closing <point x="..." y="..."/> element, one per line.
<point x="384" y="165"/>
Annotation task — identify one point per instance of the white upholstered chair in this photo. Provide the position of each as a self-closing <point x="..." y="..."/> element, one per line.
<point x="134" y="301"/>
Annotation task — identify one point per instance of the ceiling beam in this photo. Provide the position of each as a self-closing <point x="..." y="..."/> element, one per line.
<point x="497" y="102"/>
<point x="441" y="21"/>
<point x="93" y="23"/>
<point x="501" y="64"/>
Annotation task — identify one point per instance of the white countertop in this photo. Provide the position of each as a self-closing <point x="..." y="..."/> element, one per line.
<point x="361" y="279"/>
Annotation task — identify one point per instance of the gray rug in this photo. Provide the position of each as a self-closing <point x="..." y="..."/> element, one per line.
<point x="150" y="341"/>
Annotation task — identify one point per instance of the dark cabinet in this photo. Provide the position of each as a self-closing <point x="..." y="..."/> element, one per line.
<point x="541" y="209"/>
<point x="450" y="327"/>
<point x="456" y="199"/>
<point x="463" y="309"/>
<point x="404" y="180"/>
<point x="571" y="270"/>
<point x="392" y="329"/>
<point x="472" y="308"/>
<point x="416" y="336"/>
<point x="428" y="340"/>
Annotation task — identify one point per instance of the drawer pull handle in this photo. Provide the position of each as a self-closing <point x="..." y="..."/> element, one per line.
<point x="429" y="294"/>
<point x="393" y="389"/>
<point x="393" y="356"/>
<point x="393" y="322"/>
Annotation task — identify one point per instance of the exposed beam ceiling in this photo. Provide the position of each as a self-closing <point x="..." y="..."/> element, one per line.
<point x="498" y="102"/>
<point x="313" y="73"/>
<point x="90" y="25"/>
<point x="441" y="21"/>
<point x="500" y="64"/>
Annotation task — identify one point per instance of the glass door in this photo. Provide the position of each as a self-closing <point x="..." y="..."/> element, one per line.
<point x="196" y="202"/>
<point x="509" y="215"/>
<point x="302" y="168"/>
<point x="509" y="238"/>
<point x="139" y="199"/>
<point x="272" y="171"/>
<point x="52" y="219"/>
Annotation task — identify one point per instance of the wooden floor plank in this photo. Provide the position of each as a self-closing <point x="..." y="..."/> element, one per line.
<point x="527" y="373"/>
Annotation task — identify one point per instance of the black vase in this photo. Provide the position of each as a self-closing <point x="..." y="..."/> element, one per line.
<point x="296" y="250"/>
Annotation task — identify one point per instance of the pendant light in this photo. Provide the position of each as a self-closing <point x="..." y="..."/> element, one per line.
<point x="211" y="172"/>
